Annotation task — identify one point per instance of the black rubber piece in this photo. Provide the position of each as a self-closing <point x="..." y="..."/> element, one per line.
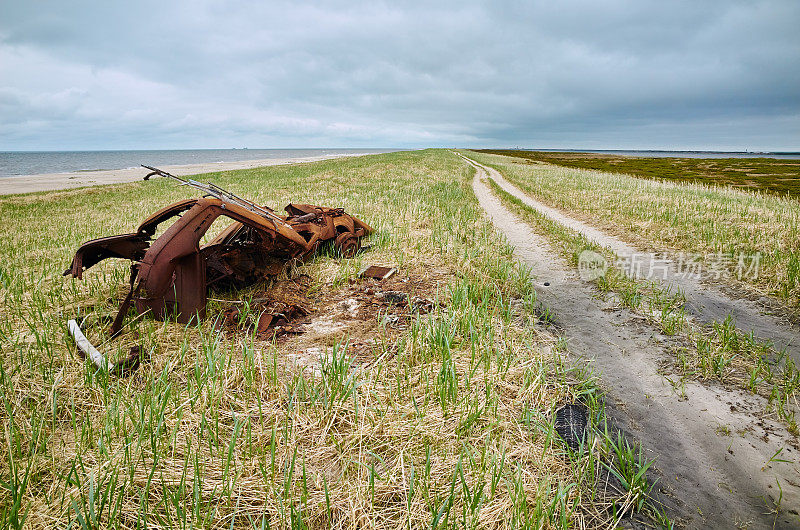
<point x="571" y="422"/>
<point x="395" y="297"/>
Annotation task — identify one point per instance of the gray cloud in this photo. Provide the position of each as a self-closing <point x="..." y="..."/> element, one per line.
<point x="578" y="74"/>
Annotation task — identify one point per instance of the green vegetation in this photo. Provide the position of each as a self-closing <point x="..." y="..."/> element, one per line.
<point x="772" y="175"/>
<point x="447" y="422"/>
<point x="717" y="224"/>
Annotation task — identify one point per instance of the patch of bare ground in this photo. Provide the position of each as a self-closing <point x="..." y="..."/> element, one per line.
<point x="720" y="461"/>
<point x="306" y="321"/>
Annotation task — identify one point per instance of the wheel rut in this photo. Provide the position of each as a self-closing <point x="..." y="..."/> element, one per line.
<point x="704" y="301"/>
<point x="707" y="479"/>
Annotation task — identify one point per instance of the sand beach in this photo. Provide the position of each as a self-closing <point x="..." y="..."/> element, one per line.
<point x="78" y="179"/>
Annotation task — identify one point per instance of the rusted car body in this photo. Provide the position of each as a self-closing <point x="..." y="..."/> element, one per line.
<point x="173" y="273"/>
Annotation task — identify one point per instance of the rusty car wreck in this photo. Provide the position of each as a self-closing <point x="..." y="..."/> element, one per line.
<point x="172" y="274"/>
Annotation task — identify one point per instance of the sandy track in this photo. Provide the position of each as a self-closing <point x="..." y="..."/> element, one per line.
<point x="704" y="302"/>
<point x="63" y="181"/>
<point x="706" y="479"/>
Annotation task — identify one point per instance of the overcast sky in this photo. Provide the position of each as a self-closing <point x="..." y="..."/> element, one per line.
<point x="180" y="74"/>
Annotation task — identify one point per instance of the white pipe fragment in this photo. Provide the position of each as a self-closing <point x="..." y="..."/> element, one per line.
<point x="86" y="347"/>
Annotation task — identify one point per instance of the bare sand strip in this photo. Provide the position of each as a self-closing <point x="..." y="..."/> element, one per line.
<point x="706" y="479"/>
<point x="77" y="179"/>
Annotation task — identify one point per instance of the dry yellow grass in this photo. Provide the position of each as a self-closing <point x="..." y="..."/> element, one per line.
<point x="449" y="424"/>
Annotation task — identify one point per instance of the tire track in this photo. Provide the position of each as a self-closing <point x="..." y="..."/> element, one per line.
<point x="707" y="479"/>
<point x="704" y="302"/>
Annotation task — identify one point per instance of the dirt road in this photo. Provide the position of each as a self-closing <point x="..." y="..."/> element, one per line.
<point x="705" y="302"/>
<point x="712" y="446"/>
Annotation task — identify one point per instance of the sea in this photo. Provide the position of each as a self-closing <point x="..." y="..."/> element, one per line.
<point x="18" y="163"/>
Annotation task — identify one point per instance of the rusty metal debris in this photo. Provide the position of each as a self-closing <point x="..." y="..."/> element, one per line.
<point x="279" y="317"/>
<point x="377" y="272"/>
<point x="276" y="320"/>
<point x="172" y="274"/>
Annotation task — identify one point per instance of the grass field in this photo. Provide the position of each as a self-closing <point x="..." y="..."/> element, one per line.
<point x="720" y="224"/>
<point x="446" y="422"/>
<point x="775" y="176"/>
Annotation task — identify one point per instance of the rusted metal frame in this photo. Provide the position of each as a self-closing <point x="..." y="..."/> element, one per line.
<point x="126" y="246"/>
<point x="149" y="225"/>
<point x="172" y="270"/>
<point x="221" y="194"/>
<point x="174" y="258"/>
<point x="116" y="326"/>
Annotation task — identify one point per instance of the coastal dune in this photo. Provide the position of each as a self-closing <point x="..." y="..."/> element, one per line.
<point x="78" y="179"/>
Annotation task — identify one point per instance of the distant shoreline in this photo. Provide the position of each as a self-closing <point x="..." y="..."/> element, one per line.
<point x="661" y="153"/>
<point x="77" y="179"/>
<point x="28" y="163"/>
